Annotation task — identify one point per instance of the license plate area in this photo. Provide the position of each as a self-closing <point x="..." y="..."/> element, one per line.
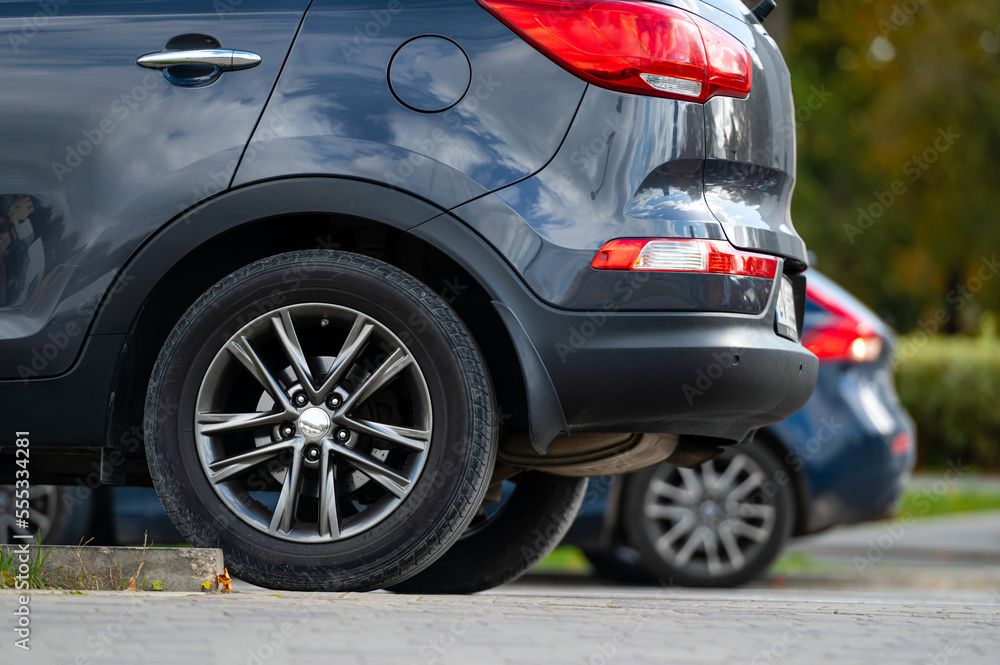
<point x="785" y="320"/>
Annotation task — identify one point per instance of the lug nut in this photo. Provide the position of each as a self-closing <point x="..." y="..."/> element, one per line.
<point x="287" y="431"/>
<point x="343" y="435"/>
<point x="334" y="401"/>
<point x="301" y="399"/>
<point x="312" y="453"/>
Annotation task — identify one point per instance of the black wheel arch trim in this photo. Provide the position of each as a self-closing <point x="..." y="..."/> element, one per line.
<point x="546" y="420"/>
<point x="245" y="205"/>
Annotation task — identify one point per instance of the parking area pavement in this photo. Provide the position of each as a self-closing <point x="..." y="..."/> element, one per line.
<point x="963" y="539"/>
<point x="928" y="594"/>
<point x="956" y="551"/>
<point x="528" y="622"/>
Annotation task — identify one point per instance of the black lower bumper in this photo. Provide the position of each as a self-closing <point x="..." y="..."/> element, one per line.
<point x="716" y="375"/>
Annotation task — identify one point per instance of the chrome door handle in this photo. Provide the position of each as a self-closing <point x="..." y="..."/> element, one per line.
<point x="226" y="59"/>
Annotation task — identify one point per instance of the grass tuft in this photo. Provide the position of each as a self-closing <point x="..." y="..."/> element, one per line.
<point x="36" y="576"/>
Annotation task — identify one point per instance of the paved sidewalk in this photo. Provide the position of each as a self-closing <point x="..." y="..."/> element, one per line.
<point x="519" y="624"/>
<point x="968" y="538"/>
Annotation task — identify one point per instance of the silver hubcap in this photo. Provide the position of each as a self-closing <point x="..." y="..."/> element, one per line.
<point x="313" y="422"/>
<point x="715" y="518"/>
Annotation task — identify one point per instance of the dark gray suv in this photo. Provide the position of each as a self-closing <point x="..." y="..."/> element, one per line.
<point x="328" y="273"/>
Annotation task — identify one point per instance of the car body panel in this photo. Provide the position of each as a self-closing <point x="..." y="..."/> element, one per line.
<point x="128" y="154"/>
<point x="82" y="393"/>
<point x="750" y="143"/>
<point x="272" y="199"/>
<point x="846" y="466"/>
<point x="630" y="167"/>
<point x="732" y="7"/>
<point x="636" y="166"/>
<point x="334" y="114"/>
<point x="750" y="165"/>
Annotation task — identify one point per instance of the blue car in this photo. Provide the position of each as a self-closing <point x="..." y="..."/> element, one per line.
<point x="845" y="457"/>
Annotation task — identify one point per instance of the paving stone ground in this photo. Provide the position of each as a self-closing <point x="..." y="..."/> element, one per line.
<point x="522" y="623"/>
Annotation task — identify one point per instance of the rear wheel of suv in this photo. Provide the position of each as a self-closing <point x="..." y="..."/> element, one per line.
<point x="506" y="539"/>
<point x="325" y="419"/>
<point x="717" y="525"/>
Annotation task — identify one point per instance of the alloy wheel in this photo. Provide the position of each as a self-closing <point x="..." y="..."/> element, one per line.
<point x="715" y="518"/>
<point x="313" y="422"/>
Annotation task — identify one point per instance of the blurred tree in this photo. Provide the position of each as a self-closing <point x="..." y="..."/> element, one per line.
<point x="898" y="181"/>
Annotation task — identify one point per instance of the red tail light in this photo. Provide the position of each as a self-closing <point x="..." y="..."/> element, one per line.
<point x="682" y="255"/>
<point x="901" y="444"/>
<point x="842" y="337"/>
<point x="639" y="47"/>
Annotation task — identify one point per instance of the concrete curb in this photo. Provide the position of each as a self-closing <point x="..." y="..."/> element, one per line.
<point x="177" y="568"/>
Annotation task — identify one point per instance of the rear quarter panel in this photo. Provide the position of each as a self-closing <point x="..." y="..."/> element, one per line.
<point x="333" y="112"/>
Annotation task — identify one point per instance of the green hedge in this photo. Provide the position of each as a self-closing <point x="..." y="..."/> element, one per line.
<point x="951" y="387"/>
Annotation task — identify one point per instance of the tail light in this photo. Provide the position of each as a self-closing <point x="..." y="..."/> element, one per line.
<point x="902" y="444"/>
<point x="841" y="336"/>
<point x="639" y="47"/>
<point x="682" y="255"/>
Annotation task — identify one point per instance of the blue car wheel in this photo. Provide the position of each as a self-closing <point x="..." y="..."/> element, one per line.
<point x="717" y="525"/>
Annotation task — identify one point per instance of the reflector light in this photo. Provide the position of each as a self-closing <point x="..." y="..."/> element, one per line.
<point x="902" y="444"/>
<point x="644" y="48"/>
<point x="618" y="254"/>
<point x="682" y="255"/>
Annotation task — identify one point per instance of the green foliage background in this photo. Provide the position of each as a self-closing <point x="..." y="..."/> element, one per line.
<point x="951" y="387"/>
<point x="896" y="75"/>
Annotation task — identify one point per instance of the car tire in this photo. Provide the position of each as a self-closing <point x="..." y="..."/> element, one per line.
<point x="718" y="525"/>
<point x="58" y="515"/>
<point x="375" y="357"/>
<point x="500" y="546"/>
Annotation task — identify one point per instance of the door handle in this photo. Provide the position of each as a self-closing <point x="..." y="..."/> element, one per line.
<point x="227" y="60"/>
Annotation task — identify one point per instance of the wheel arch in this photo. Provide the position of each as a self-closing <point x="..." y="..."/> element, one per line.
<point x="200" y="247"/>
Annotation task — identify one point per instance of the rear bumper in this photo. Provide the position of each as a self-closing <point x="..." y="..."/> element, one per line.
<point x="712" y="374"/>
<point x="716" y="375"/>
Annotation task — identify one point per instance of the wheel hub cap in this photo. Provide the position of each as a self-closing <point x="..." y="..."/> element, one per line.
<point x="314" y="423"/>
<point x="709" y="510"/>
